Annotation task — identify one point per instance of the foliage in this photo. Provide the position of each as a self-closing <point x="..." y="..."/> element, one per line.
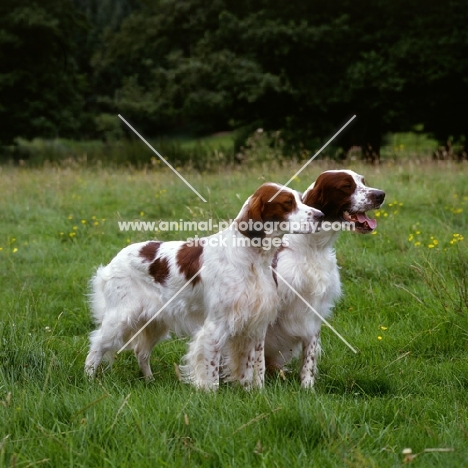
<point x="298" y="67"/>
<point x="200" y="66"/>
<point x="224" y="149"/>
<point x="41" y="89"/>
<point x="202" y="155"/>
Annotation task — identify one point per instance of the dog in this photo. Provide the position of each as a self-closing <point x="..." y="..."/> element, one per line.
<point x="308" y="264"/>
<point x="143" y="293"/>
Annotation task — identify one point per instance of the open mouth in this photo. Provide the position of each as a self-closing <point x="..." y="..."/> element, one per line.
<point x="362" y="223"/>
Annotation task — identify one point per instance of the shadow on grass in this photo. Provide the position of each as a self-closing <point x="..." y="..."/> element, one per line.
<point x="296" y="424"/>
<point x="359" y="386"/>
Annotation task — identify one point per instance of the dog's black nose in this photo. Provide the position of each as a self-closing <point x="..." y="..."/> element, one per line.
<point x="378" y="195"/>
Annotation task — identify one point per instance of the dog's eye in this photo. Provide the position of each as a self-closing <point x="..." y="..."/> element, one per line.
<point x="347" y="187"/>
<point x="288" y="202"/>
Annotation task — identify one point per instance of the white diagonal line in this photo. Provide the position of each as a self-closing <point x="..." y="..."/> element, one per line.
<point x="160" y="310"/>
<point x="162" y="159"/>
<point x="312" y="158"/>
<point x="315" y="312"/>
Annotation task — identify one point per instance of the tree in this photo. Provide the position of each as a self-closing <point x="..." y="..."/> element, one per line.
<point x="40" y="87"/>
<point x="206" y="65"/>
<point x="439" y="84"/>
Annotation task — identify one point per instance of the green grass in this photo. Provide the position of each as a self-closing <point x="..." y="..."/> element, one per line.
<point x="408" y="145"/>
<point x="216" y="141"/>
<point x="407" y="389"/>
<point x="200" y="154"/>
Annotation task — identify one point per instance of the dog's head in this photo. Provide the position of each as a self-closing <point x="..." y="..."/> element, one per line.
<point x="274" y="210"/>
<point x="343" y="196"/>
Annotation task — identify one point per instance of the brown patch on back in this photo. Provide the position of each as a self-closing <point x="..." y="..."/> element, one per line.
<point x="189" y="261"/>
<point x="149" y="250"/>
<point x="159" y="270"/>
<point x="331" y="194"/>
<point x="159" y="267"/>
<point x="262" y="210"/>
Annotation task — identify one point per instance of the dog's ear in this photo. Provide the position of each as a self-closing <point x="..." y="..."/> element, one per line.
<point x="330" y="193"/>
<point x="251" y="214"/>
<point x="314" y="197"/>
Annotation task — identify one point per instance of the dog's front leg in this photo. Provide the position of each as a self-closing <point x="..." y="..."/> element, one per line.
<point x="259" y="369"/>
<point x="212" y="363"/>
<point x="310" y="354"/>
<point x="201" y="363"/>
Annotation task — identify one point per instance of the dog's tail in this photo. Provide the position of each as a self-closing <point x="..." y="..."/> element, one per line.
<point x="97" y="298"/>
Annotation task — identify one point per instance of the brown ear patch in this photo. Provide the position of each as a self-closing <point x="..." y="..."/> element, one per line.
<point x="280" y="207"/>
<point x="189" y="261"/>
<point x="159" y="267"/>
<point x="261" y="210"/>
<point x="331" y="194"/>
<point x="252" y="215"/>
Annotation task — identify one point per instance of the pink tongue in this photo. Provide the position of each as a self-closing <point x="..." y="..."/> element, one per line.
<point x="363" y="218"/>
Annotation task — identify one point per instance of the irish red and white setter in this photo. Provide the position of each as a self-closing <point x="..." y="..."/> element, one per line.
<point x="225" y="309"/>
<point x="308" y="264"/>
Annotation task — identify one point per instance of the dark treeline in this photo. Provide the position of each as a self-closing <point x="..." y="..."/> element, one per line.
<point x="67" y="67"/>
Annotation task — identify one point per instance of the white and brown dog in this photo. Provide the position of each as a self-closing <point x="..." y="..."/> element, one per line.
<point x="140" y="295"/>
<point x="308" y="264"/>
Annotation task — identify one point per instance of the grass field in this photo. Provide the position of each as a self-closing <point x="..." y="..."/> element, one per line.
<point x="405" y="309"/>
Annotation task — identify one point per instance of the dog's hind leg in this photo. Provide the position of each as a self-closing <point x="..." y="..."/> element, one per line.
<point x="146" y="341"/>
<point x="97" y="352"/>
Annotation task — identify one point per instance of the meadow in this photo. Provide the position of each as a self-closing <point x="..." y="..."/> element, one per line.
<point x="405" y="309"/>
